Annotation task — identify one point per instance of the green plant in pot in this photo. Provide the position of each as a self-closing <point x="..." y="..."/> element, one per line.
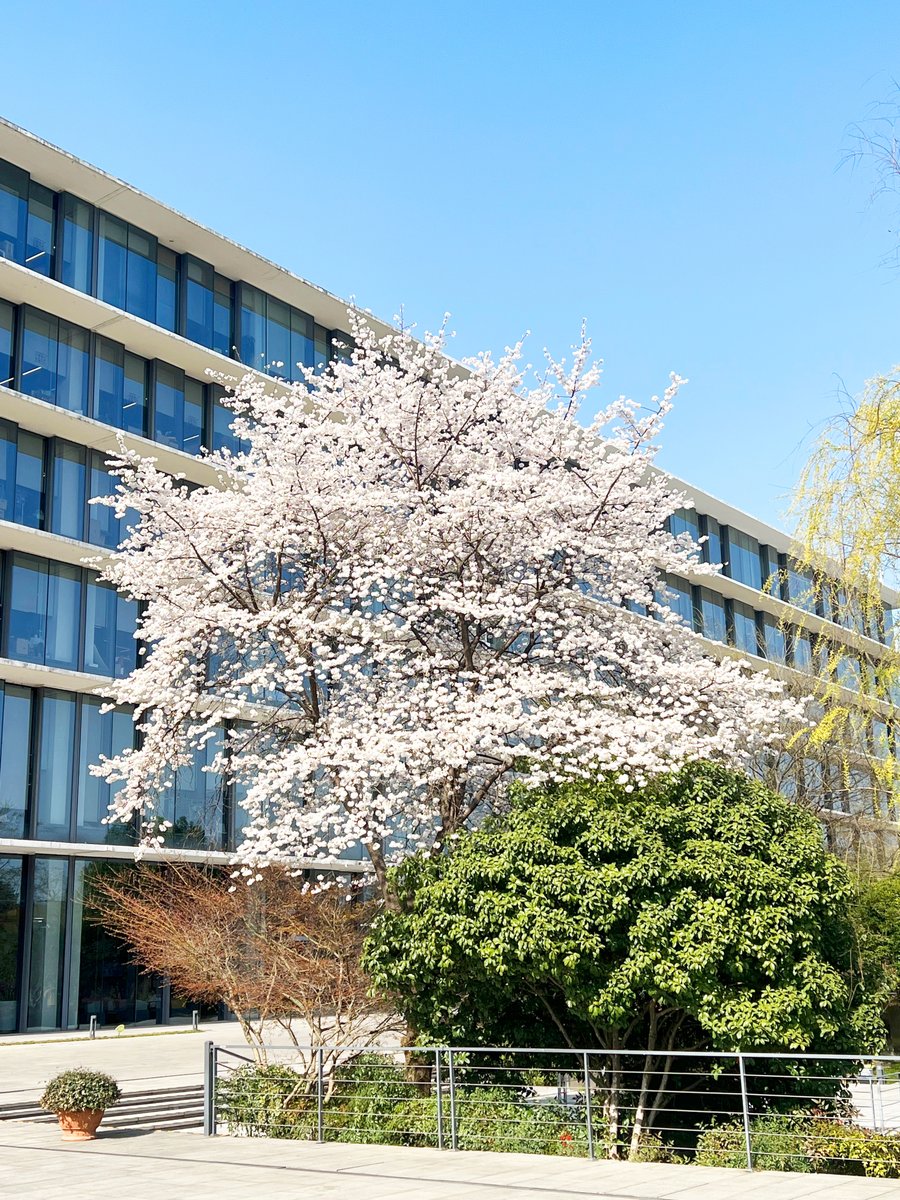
<point x="79" y="1098"/>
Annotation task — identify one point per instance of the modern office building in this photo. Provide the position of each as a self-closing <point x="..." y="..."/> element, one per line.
<point x="112" y="308"/>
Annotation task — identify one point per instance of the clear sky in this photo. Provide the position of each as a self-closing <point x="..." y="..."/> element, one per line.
<point x="669" y="171"/>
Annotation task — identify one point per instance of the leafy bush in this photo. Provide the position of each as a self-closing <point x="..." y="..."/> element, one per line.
<point x="270" y="1101"/>
<point x="80" y="1090"/>
<point x="802" y="1143"/>
<point x="850" y="1150"/>
<point x="374" y="1102"/>
<point x="779" y="1142"/>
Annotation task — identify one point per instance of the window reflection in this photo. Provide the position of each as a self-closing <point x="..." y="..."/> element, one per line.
<point x="711" y="613"/>
<point x="46" y="937"/>
<point x="743" y="559"/>
<point x="15" y="752"/>
<point x="743" y="627"/>
<point x="11" y="915"/>
<point x="103" y="735"/>
<point x="54" y="774"/>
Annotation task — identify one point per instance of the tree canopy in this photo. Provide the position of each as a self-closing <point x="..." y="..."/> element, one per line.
<point x="700" y="912"/>
<point x="417" y="580"/>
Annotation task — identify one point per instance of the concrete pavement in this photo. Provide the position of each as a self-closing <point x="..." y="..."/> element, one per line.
<point x="172" y="1058"/>
<point x="36" y="1165"/>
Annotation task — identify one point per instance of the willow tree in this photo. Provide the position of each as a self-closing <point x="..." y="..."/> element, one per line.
<point x="848" y="540"/>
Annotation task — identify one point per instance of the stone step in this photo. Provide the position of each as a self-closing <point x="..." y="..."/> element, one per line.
<point x="159" y="1108"/>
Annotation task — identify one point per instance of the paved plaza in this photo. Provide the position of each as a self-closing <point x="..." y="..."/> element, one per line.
<point x="171" y="1058"/>
<point x="36" y="1165"/>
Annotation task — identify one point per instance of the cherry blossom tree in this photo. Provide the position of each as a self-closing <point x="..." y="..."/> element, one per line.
<point x="418" y="581"/>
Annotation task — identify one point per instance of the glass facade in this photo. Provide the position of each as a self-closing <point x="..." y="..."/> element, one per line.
<point x="63" y="616"/>
<point x="52" y="360"/>
<point x="47" y="483"/>
<point x="95" y="252"/>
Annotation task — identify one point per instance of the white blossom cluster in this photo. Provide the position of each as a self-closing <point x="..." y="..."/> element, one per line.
<point x="417" y="578"/>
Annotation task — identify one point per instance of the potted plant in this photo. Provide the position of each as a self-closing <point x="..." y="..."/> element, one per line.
<point x="79" y="1098"/>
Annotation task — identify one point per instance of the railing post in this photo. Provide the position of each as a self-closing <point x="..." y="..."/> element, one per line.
<point x="320" y="1094"/>
<point x="440" y="1100"/>
<point x="587" y="1104"/>
<point x="745" y="1105"/>
<point x="452" y="1074"/>
<point x="209" y="1089"/>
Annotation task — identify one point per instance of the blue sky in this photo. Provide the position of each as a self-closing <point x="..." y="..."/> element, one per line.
<point x="668" y="171"/>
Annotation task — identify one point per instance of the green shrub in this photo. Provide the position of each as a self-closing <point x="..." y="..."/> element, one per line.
<point x="850" y="1150"/>
<point x="80" y="1090"/>
<point x="270" y="1101"/>
<point x="779" y="1142"/>
<point x="802" y="1143"/>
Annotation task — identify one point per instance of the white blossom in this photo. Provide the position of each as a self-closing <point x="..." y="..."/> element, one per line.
<point x="416" y="579"/>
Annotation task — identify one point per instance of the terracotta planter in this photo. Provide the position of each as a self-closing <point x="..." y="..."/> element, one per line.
<point x="80" y="1126"/>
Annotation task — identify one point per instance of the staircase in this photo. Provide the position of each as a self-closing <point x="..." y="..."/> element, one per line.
<point x="168" y="1108"/>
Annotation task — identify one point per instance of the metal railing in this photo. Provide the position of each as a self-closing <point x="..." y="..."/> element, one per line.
<point x="806" y="1112"/>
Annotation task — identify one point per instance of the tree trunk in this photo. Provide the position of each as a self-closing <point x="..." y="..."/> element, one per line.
<point x="647" y="1073"/>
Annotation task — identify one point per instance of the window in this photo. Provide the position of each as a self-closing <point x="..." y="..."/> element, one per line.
<point x="56" y="747"/>
<point x="222" y="309"/>
<point x="120" y="387"/>
<point x="13" y="211"/>
<point x="44" y="612"/>
<point x="29" y="494"/>
<point x="684" y="520"/>
<point x="140" y="274"/>
<point x="848" y="671"/>
<point x="773" y="639"/>
<point x="742" y="621"/>
<point x="320" y="348"/>
<point x="253" y="327"/>
<point x="55" y="361"/>
<point x="104" y="527"/>
<point x="15" y="759"/>
<point x="112" y="260"/>
<point x="77" y="254"/>
<point x="770" y="570"/>
<point x="39" y="229"/>
<point x="67" y="490"/>
<point x="110" y="621"/>
<point x="48" y="923"/>
<point x="195" y="802"/>
<point x="7" y="315"/>
<point x="278" y="338"/>
<point x="101" y="735"/>
<point x="302" y="343"/>
<point x="9" y="441"/>
<point x="743" y="558"/>
<point x="198" y="322"/>
<point x="166" y="288"/>
<point x="168" y="405"/>
<point x="711" y="615"/>
<point x="802" y="655"/>
<point x="801" y="588"/>
<point x="194" y="404"/>
<point x="11" y="916"/>
<point x="712" y="547"/>
<point x="675" y="593"/>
